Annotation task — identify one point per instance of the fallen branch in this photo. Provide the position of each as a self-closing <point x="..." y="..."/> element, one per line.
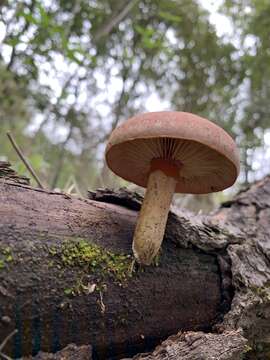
<point x="24" y="160"/>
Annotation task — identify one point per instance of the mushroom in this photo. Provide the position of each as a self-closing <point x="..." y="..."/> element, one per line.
<point x="169" y="152"/>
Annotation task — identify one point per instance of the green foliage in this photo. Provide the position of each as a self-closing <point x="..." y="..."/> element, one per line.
<point x="254" y="36"/>
<point x="80" y="68"/>
<point x="13" y="105"/>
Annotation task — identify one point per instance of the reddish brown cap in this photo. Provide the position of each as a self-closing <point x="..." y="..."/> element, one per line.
<point x="206" y="157"/>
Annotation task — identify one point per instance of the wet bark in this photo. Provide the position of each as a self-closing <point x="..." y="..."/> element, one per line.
<point x="208" y="267"/>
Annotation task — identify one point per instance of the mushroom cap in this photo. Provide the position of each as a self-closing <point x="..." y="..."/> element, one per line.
<point x="205" y="156"/>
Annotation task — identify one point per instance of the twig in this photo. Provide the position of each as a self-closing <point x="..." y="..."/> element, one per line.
<point x="115" y="20"/>
<point x="101" y="303"/>
<point x="24" y="160"/>
<point x="3" y="344"/>
<point x="4" y="356"/>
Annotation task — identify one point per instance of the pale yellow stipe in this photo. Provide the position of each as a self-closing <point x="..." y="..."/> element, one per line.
<point x="153" y="216"/>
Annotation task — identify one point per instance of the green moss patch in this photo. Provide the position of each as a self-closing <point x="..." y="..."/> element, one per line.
<point x="6" y="257"/>
<point x="94" y="260"/>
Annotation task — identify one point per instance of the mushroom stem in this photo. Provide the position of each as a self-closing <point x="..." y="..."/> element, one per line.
<point x="153" y="216"/>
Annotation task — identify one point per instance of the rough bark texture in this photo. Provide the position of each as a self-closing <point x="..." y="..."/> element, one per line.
<point x="71" y="352"/>
<point x="208" y="266"/>
<point x="6" y="172"/>
<point x="198" y="345"/>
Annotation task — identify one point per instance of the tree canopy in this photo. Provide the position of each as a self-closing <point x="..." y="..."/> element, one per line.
<point x="72" y="70"/>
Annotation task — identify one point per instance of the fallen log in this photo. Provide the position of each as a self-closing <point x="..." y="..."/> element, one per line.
<point x="55" y="290"/>
<point x="66" y="277"/>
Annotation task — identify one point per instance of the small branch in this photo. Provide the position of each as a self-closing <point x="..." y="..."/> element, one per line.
<point x="12" y="58"/>
<point x="3" y="344"/>
<point x="101" y="303"/>
<point x="115" y="20"/>
<point x="5" y="357"/>
<point x="24" y="160"/>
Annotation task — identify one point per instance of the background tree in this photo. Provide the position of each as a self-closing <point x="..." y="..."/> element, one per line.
<point x="251" y="23"/>
<point x="73" y="70"/>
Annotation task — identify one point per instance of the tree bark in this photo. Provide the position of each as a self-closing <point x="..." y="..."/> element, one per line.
<point x="209" y="266"/>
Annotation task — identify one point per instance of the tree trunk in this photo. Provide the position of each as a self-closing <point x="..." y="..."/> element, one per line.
<point x="66" y="277"/>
